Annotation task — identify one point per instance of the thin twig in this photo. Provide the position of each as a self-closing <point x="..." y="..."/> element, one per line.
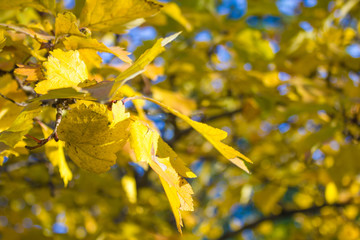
<point x="13" y="101"/>
<point x="53" y="135"/>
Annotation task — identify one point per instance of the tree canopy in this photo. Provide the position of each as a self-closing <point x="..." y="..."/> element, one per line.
<point x="211" y="119"/>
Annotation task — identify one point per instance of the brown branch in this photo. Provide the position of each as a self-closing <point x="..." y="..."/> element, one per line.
<point x="282" y="215"/>
<point x="53" y="135"/>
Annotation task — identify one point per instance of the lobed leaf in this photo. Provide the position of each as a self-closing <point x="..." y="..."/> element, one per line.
<point x="66" y="23"/>
<point x="116" y="15"/>
<point x="213" y="135"/>
<point x="149" y="147"/>
<point x="91" y="140"/>
<point x="63" y="69"/>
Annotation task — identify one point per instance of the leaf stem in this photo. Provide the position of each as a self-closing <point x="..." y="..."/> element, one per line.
<point x="13" y="101"/>
<point x="53" y="135"/>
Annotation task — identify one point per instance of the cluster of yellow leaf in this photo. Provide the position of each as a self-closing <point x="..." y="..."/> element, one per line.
<point x="92" y="134"/>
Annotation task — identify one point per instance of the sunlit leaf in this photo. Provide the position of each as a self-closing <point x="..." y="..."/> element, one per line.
<point x="213" y="135"/>
<point x="90" y="141"/>
<point x="66" y="23"/>
<point x="115" y="15"/>
<point x="63" y="69"/>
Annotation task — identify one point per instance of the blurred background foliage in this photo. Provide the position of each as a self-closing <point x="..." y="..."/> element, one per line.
<point x="281" y="77"/>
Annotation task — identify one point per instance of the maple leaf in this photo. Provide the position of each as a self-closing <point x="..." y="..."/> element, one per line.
<point x="116" y="15"/>
<point x="66" y="23"/>
<point x="91" y="140"/>
<point x="63" y="69"/>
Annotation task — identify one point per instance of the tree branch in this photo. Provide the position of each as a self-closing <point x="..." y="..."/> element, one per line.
<point x="283" y="214"/>
<point x="13" y="101"/>
<point x="53" y="135"/>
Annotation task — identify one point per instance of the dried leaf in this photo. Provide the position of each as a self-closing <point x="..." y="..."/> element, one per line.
<point x="32" y="73"/>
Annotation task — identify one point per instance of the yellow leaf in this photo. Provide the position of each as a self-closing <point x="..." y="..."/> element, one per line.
<point x="114" y="15"/>
<point x="180" y="199"/>
<point x="40" y="36"/>
<point x="90" y="57"/>
<point x="174" y="203"/>
<point x="152" y="71"/>
<point x="75" y="42"/>
<point x="175" y="100"/>
<point x="213" y="135"/>
<point x="32" y="73"/>
<point x="143" y="141"/>
<point x="55" y="153"/>
<point x="41" y="5"/>
<point x="91" y="140"/>
<point x="21" y="126"/>
<point x="2" y="39"/>
<point x="173" y="11"/>
<point x="63" y="69"/>
<point x="129" y="185"/>
<point x="331" y="193"/>
<point x="164" y="150"/>
<point x="66" y="23"/>
<point x="127" y="91"/>
<point x="164" y="169"/>
<point x="119" y="114"/>
<point x="149" y="147"/>
<point x="138" y="67"/>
